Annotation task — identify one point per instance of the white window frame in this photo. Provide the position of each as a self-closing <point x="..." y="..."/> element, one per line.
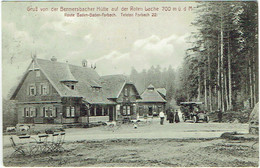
<point x="26" y="111"/>
<point x="128" y="110"/>
<point x="126" y="91"/>
<point x="46" y="111"/>
<point x="44" y="88"/>
<point x="68" y="111"/>
<point x="124" y="110"/>
<point x="31" y="111"/>
<point x="30" y="90"/>
<point x="72" y="111"/>
<point x="50" y="109"/>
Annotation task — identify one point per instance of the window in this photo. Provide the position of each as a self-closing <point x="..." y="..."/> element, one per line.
<point x="126" y="92"/>
<point x="26" y="111"/>
<point x="38" y="73"/>
<point x="68" y="112"/>
<point x="159" y="108"/>
<point x="32" y="111"/>
<point x="44" y="89"/>
<point x="50" y="111"/>
<point x="134" y="108"/>
<point x="32" y="90"/>
<point x="96" y="89"/>
<point x="124" y="110"/>
<point x="72" y="87"/>
<point x="46" y="111"/>
<point x="128" y="110"/>
<point x="43" y="111"/>
<point x="72" y="112"/>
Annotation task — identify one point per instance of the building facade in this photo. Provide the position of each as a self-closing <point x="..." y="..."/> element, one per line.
<point x="51" y="92"/>
<point x="152" y="102"/>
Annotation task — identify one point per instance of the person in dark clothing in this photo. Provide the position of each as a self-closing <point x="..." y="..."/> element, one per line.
<point x="171" y="117"/>
<point x="219" y="115"/>
<point x="167" y="114"/>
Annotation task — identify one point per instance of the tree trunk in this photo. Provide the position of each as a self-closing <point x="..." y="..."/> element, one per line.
<point x="226" y="92"/>
<point x="205" y="90"/>
<point x="198" y="98"/>
<point x="229" y="77"/>
<point x="216" y="98"/>
<point x="254" y="78"/>
<point x="250" y="85"/>
<point x="218" y="79"/>
<point x="222" y="62"/>
<point x="210" y="87"/>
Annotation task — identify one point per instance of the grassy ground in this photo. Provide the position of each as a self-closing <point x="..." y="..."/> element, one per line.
<point x="146" y="152"/>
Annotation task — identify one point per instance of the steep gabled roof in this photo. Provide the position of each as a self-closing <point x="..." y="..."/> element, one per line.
<point x="151" y="95"/>
<point x="114" y="84"/>
<point x="55" y="72"/>
<point x="84" y="78"/>
<point x="87" y="79"/>
<point x="19" y="84"/>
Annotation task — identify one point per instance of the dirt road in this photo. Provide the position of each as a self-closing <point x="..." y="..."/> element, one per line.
<point x="151" y="130"/>
<point x="152" y="144"/>
<point x="146" y="152"/>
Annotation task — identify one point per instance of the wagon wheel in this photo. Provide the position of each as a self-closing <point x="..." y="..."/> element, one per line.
<point x="194" y="119"/>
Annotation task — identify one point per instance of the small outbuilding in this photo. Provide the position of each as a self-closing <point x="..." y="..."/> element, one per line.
<point x="152" y="102"/>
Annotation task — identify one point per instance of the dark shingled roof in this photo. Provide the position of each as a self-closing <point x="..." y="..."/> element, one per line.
<point x="113" y="85"/>
<point x="151" y="95"/>
<point x="68" y="77"/>
<point x="86" y="79"/>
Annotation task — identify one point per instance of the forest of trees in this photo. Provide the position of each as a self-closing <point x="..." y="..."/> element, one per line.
<point x="221" y="67"/>
<point x="160" y="78"/>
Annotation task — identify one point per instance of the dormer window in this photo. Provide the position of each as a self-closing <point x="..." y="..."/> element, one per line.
<point x="150" y="88"/>
<point x="71" y="85"/>
<point x="96" y="88"/>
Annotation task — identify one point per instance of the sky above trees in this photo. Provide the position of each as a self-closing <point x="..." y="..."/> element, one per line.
<point x="114" y="44"/>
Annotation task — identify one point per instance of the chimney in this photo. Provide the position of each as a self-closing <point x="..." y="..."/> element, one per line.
<point x="84" y="63"/>
<point x="53" y="58"/>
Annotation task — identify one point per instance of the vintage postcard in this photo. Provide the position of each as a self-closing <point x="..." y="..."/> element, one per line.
<point x="130" y="84"/>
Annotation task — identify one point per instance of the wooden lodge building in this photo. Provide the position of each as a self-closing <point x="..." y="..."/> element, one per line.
<point x="152" y="102"/>
<point x="51" y="92"/>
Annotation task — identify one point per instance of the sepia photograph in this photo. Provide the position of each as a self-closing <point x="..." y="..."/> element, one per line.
<point x="130" y="84"/>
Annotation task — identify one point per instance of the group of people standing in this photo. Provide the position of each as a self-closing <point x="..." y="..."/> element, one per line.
<point x="171" y="116"/>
